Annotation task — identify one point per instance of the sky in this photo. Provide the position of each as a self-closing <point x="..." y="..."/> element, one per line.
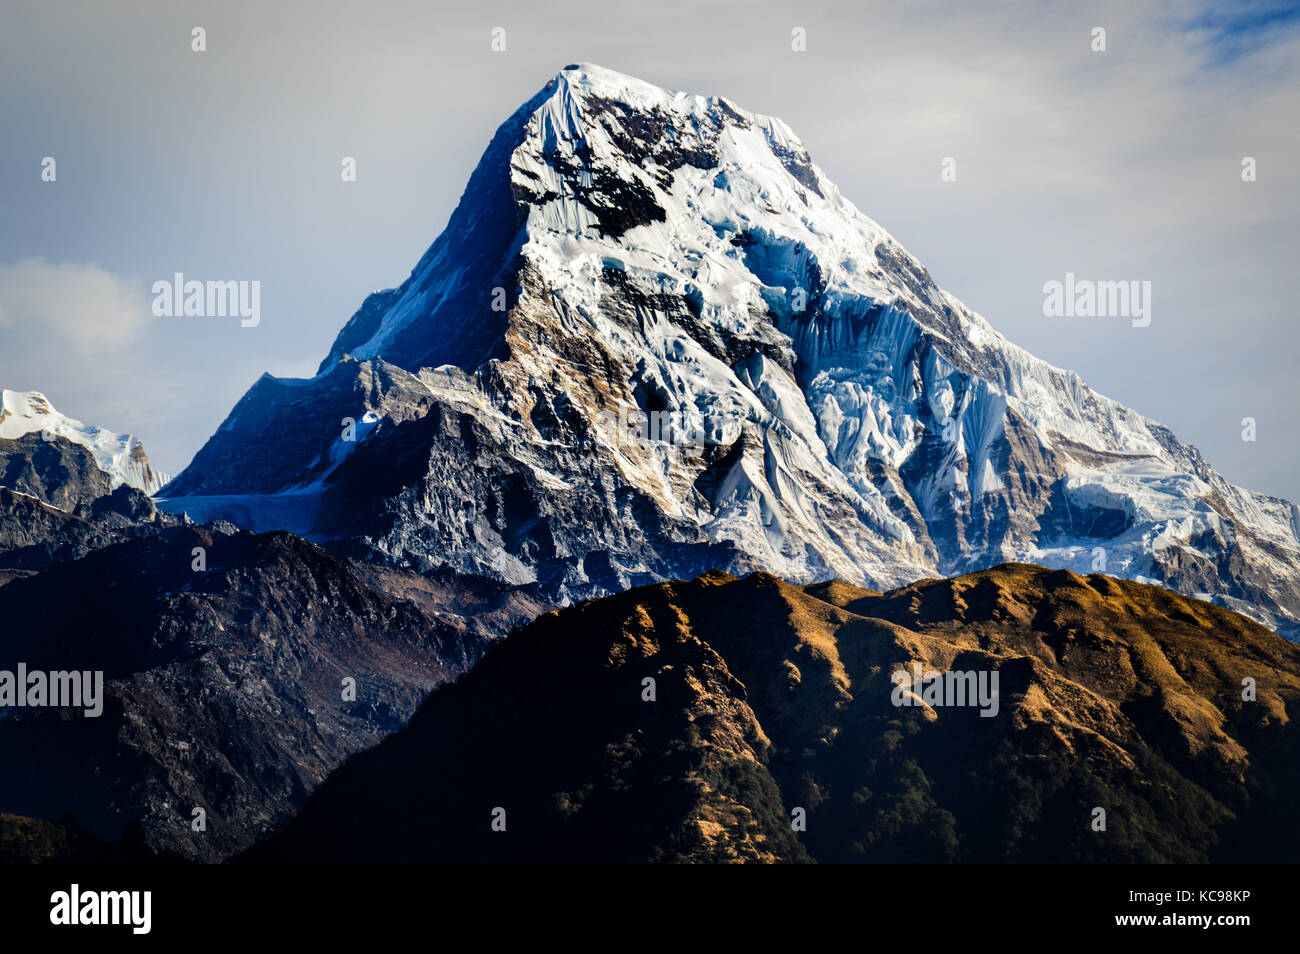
<point x="1122" y="164"/>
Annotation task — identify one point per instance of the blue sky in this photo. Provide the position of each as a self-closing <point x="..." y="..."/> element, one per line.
<point x="225" y="165"/>
<point x="1239" y="29"/>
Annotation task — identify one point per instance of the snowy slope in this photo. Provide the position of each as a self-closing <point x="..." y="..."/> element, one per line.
<point x="122" y="456"/>
<point x="622" y="250"/>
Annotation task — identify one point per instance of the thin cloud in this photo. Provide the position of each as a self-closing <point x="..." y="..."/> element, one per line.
<point x="77" y="306"/>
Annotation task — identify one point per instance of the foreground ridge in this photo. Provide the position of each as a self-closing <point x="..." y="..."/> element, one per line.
<point x="750" y="720"/>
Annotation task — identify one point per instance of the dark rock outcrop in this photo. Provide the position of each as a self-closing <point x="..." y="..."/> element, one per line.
<point x="226" y="658"/>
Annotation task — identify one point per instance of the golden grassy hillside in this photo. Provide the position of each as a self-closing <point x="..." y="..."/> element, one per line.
<point x="774" y="701"/>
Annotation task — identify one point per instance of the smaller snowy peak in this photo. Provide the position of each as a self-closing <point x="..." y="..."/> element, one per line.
<point x="121" y="456"/>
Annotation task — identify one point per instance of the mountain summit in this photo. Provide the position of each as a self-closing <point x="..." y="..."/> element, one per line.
<point x="120" y="456"/>
<point x="654" y="340"/>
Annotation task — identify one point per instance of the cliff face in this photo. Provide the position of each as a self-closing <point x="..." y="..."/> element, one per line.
<point x="57" y="503"/>
<point x="774" y="702"/>
<point x="55" y="470"/>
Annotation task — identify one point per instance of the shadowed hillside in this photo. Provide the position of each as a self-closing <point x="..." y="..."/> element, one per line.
<point x="772" y="698"/>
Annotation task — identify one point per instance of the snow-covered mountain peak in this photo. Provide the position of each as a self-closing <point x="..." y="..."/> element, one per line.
<point x="625" y="251"/>
<point x="121" y="456"/>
